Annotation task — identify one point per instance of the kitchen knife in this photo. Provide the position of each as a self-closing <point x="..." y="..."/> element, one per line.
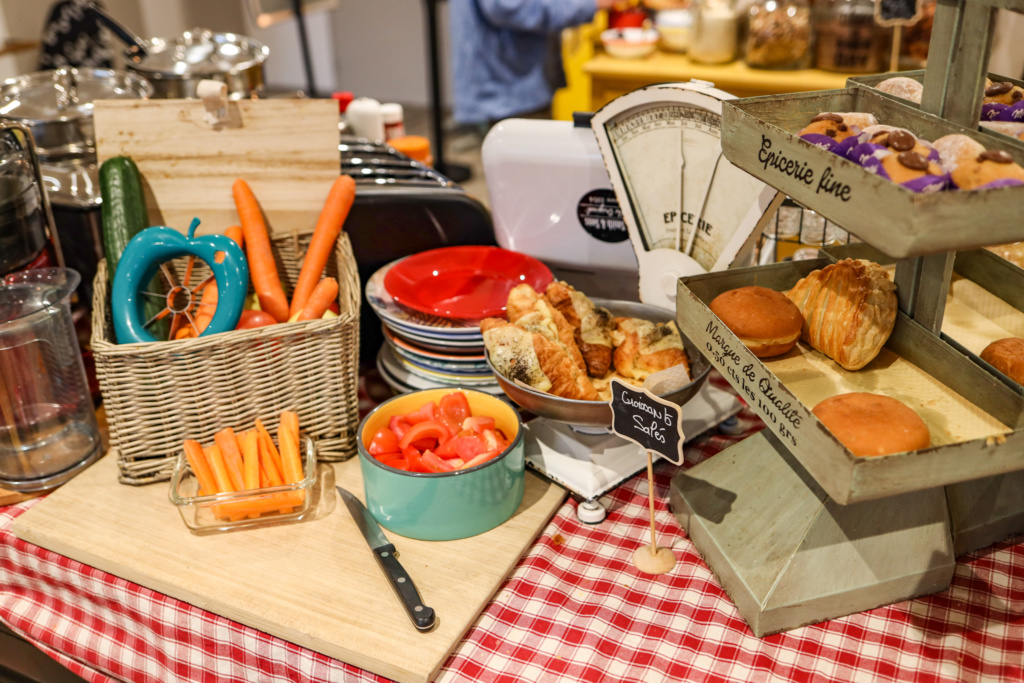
<point x="384" y="552"/>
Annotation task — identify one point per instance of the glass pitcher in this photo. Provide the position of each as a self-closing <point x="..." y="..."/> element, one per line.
<point x="48" y="430"/>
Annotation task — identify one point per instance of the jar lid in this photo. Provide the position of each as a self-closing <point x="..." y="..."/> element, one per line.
<point x="64" y="94"/>
<point x="392" y="113"/>
<point x="199" y="52"/>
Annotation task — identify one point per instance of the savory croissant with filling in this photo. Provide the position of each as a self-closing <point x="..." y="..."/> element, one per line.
<point x="535" y="360"/>
<point x="643" y="347"/>
<point x="849" y="310"/>
<point x="592" y="326"/>
<point x="530" y="310"/>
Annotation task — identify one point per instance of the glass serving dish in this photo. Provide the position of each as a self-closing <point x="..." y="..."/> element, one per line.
<point x="244" y="509"/>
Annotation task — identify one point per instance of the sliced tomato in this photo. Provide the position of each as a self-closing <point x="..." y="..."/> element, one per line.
<point x="425" y="413"/>
<point x="478" y="423"/>
<point x="454" y="409"/>
<point x="490" y="438"/>
<point x="463" y="445"/>
<point x="384" y="441"/>
<point x="396" y="460"/>
<point x="415" y="459"/>
<point x="479" y="460"/>
<point x="399" y="425"/>
<point x="434" y="463"/>
<point x="430" y="429"/>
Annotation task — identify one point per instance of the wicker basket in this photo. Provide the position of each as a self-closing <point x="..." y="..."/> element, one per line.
<point x="159" y="394"/>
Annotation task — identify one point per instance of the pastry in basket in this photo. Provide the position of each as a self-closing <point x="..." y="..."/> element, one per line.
<point x="836" y="132"/>
<point x="903" y="87"/>
<point x="643" y="347"/>
<point x="767" y="322"/>
<point x="991" y="169"/>
<point x="849" y="310"/>
<point x="530" y="310"/>
<point x="872" y="424"/>
<point x="1015" y="129"/>
<point x="1004" y="101"/>
<point x="592" y="325"/>
<point x="955" y="149"/>
<point x="1006" y="356"/>
<point x="898" y="155"/>
<point x="534" y="360"/>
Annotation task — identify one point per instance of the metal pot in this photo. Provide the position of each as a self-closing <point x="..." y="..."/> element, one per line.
<point x="56" y="105"/>
<point x="175" y="66"/>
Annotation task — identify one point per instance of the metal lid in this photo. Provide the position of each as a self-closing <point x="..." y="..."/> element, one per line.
<point x="74" y="183"/>
<point x="199" y="52"/>
<point x="57" y="104"/>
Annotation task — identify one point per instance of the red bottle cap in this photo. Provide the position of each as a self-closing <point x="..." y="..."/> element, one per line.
<point x="344" y="98"/>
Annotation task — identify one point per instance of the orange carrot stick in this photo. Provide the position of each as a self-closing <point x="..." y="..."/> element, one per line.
<point x="225" y="439"/>
<point x="269" y="458"/>
<point x="328" y="227"/>
<point x="201" y="468"/>
<point x="326" y="292"/>
<point x="276" y="502"/>
<point x="235" y="233"/>
<point x="288" y="438"/>
<point x="220" y="470"/>
<point x="262" y="269"/>
<point x="251" y="459"/>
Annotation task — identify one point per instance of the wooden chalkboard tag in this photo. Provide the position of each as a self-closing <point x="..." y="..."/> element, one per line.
<point x="651" y="422"/>
<point x="897" y="12"/>
<point x="655" y="425"/>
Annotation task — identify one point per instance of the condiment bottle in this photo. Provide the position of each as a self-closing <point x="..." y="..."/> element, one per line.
<point x="715" y="32"/>
<point x="778" y="34"/>
<point x="848" y="39"/>
<point x="365" y="118"/>
<point x="394" y="120"/>
<point x="343" y="99"/>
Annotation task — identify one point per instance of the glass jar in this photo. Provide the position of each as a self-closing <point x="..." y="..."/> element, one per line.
<point x="716" y="27"/>
<point x="779" y="34"/>
<point x="848" y="39"/>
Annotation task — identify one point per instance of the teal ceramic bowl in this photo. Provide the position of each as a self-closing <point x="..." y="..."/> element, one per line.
<point x="449" y="505"/>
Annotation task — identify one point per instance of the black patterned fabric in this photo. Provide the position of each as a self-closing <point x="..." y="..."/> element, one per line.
<point x="71" y="37"/>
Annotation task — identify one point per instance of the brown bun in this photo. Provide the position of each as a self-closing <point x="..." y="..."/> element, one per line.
<point x="872" y="424"/>
<point x="766" y="321"/>
<point x="1006" y="356"/>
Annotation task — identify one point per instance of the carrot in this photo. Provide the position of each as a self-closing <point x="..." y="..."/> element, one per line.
<point x="288" y="437"/>
<point x="269" y="457"/>
<point x="328" y="227"/>
<point x="326" y="292"/>
<point x="262" y="269"/>
<point x="201" y="468"/>
<point x="220" y="470"/>
<point x="251" y="459"/>
<point x="208" y="304"/>
<point x="254" y="507"/>
<point x="225" y="439"/>
<point x="235" y="233"/>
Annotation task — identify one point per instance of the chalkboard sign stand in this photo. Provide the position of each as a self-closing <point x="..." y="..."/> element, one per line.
<point x="897" y="14"/>
<point x="655" y="425"/>
<point x="650" y="559"/>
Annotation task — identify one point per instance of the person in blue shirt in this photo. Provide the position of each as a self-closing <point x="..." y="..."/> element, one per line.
<point x="503" y="62"/>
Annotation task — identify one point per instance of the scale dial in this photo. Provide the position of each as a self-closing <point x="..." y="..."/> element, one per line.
<point x="688" y="209"/>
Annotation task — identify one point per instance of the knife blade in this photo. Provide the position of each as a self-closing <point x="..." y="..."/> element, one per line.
<point x="384" y="552"/>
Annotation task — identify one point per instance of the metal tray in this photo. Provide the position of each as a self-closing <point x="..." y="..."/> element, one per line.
<point x="914" y="364"/>
<point x="895" y="220"/>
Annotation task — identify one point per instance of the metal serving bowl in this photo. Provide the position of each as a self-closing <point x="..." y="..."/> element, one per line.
<point x="599" y="413"/>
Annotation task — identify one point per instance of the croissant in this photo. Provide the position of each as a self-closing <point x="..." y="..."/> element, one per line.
<point x="535" y="360"/>
<point x="643" y="347"/>
<point x="849" y="310"/>
<point x="591" y="325"/>
<point x="530" y="310"/>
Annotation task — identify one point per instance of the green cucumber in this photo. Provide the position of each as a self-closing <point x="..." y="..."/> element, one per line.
<point x="124" y="215"/>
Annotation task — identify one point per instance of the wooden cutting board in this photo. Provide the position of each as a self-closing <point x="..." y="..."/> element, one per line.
<point x="314" y="583"/>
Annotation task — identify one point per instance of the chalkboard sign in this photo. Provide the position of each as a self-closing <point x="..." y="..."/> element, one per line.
<point x="897" y="12"/>
<point x="643" y="418"/>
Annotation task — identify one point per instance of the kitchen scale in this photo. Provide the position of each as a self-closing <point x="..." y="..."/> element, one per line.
<point x="687" y="208"/>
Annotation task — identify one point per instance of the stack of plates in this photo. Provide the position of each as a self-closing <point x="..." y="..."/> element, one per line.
<point x="431" y="305"/>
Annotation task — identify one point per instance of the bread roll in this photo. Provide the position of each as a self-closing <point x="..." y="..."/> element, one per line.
<point x="873" y="424"/>
<point x="955" y="149"/>
<point x="849" y="310"/>
<point x="766" y="321"/>
<point x="1006" y="356"/>
<point x="903" y="87"/>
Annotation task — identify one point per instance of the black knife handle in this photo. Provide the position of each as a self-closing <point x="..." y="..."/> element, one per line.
<point x="421" y="615"/>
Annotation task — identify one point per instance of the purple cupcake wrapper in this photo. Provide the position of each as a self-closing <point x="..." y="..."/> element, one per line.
<point x="823" y="141"/>
<point x="926" y="183"/>
<point x="858" y="154"/>
<point x="1002" y="112"/>
<point x="1001" y="182"/>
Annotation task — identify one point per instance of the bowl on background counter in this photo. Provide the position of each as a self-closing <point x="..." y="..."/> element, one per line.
<point x="629" y="43"/>
<point x="444" y="506"/>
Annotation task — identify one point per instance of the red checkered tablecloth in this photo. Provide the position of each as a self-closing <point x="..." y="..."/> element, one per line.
<point x="574" y="609"/>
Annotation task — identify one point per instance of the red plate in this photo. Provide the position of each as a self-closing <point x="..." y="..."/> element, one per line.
<point x="468" y="283"/>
